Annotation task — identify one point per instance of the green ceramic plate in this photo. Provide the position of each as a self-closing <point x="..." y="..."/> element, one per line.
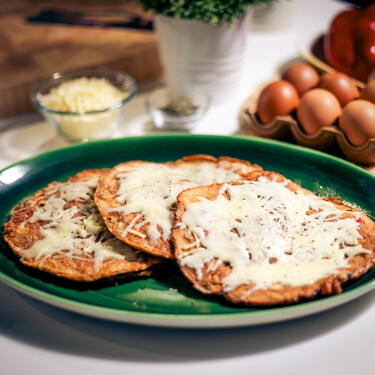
<point x="167" y="299"/>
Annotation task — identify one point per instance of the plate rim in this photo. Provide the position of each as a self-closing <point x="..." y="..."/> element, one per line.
<point x="219" y="320"/>
<point x="213" y="320"/>
<point x="245" y="138"/>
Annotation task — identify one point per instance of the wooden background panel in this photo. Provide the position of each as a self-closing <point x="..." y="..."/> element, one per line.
<point x="31" y="51"/>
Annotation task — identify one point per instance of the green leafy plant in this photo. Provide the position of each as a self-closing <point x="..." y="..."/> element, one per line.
<point x="212" y="12"/>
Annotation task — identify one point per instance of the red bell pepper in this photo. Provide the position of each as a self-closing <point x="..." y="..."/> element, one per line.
<point x="349" y="45"/>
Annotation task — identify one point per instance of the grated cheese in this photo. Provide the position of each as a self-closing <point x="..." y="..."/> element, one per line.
<point x="82" y="95"/>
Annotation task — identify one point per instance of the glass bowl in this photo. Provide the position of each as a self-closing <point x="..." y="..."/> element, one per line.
<point x="76" y="115"/>
<point x="176" y="112"/>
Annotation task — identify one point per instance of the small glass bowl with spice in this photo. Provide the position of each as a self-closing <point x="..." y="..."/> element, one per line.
<point x="176" y="112"/>
<point x="86" y="104"/>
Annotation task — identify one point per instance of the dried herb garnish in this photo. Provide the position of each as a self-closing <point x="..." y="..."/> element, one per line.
<point x="180" y="106"/>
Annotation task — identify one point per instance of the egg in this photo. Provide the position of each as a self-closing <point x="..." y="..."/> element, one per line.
<point x="340" y="85"/>
<point x="368" y="92"/>
<point x="302" y="76"/>
<point x="318" y="108"/>
<point x="358" y="121"/>
<point x="279" y="98"/>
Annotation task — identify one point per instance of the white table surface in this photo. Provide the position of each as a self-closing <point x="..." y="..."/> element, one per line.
<point x="36" y="338"/>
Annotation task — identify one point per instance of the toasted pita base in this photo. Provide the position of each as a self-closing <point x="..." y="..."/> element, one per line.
<point x="106" y="193"/>
<point x="22" y="237"/>
<point x="211" y="280"/>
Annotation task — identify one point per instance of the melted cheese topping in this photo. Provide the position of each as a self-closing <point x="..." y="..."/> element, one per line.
<point x="151" y="189"/>
<point x="265" y="234"/>
<point x="74" y="230"/>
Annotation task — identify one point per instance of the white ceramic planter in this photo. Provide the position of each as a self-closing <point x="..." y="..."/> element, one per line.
<point x="198" y="56"/>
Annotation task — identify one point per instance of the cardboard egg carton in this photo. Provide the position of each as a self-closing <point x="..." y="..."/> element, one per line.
<point x="284" y="127"/>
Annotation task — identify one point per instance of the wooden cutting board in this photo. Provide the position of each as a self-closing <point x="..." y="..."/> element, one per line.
<point x="30" y="51"/>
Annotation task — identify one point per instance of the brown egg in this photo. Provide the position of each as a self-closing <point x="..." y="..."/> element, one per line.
<point x="358" y="121"/>
<point x="340" y="85"/>
<point x="279" y="98"/>
<point x="318" y="108"/>
<point x="368" y="92"/>
<point x="302" y="76"/>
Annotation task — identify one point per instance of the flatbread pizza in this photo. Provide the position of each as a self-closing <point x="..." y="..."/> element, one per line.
<point x="59" y="230"/>
<point x="268" y="241"/>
